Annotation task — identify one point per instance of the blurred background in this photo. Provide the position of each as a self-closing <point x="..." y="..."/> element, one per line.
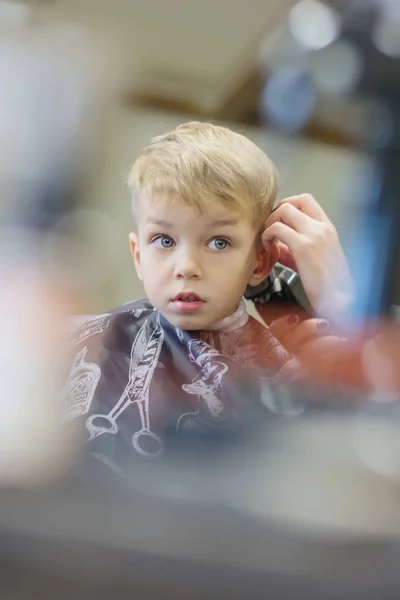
<point x="175" y="61"/>
<point x="84" y="86"/>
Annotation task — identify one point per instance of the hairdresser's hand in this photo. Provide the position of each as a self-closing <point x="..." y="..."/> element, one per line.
<point x="369" y="360"/>
<point x="309" y="244"/>
<point x="299" y="336"/>
<point x="324" y="357"/>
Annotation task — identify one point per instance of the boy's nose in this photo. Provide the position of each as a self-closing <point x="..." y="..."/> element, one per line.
<point x="187" y="267"/>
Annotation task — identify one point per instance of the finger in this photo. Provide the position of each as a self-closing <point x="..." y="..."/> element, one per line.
<point x="286" y="257"/>
<point x="320" y="357"/>
<point x="293" y="217"/>
<point x="349" y="365"/>
<point x="321" y="345"/>
<point x="283" y="233"/>
<point x="336" y="363"/>
<point x="272" y="246"/>
<point x="283" y="325"/>
<point x="380" y="366"/>
<point x="304" y="332"/>
<point x="274" y="310"/>
<point x="307" y="204"/>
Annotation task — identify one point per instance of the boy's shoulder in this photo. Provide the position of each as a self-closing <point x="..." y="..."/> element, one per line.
<point x="136" y="308"/>
<point x="87" y="326"/>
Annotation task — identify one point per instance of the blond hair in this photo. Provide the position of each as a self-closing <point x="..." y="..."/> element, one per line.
<point x="202" y="163"/>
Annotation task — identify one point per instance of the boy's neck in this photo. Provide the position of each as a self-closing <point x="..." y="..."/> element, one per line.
<point x="233" y="321"/>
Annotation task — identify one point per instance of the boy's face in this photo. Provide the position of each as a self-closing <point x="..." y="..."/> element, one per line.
<point x="196" y="265"/>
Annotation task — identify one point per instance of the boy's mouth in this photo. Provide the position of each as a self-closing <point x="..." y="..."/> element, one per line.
<point x="187" y="302"/>
<point x="187" y="297"/>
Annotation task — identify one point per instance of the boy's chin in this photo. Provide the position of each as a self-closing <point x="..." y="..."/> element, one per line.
<point x="188" y="323"/>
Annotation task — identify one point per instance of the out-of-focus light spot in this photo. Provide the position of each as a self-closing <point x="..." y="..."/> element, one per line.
<point x="313" y="24"/>
<point x="280" y="49"/>
<point x="337" y="69"/>
<point x="386" y="34"/>
<point x="288" y="100"/>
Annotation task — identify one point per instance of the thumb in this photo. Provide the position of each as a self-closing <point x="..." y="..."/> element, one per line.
<point x="281" y="326"/>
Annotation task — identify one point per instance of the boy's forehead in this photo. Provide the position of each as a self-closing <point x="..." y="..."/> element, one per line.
<point x="174" y="209"/>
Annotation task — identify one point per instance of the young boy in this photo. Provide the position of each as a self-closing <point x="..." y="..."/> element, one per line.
<point x="188" y="361"/>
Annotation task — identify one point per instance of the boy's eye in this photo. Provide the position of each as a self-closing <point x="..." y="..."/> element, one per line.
<point x="219" y="244"/>
<point x="163" y="241"/>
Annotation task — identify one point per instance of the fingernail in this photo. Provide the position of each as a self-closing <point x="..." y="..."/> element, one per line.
<point x="293" y="319"/>
<point x="322" y="324"/>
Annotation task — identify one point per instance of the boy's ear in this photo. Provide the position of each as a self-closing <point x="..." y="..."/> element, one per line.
<point x="134" y="243"/>
<point x="266" y="259"/>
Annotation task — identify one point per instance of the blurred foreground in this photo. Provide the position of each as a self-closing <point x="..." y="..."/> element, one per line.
<point x="310" y="505"/>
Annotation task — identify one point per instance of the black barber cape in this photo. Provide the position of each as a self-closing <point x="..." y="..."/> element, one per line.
<point x="137" y="382"/>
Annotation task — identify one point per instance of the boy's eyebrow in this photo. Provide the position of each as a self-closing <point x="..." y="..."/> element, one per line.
<point x="159" y="222"/>
<point x="223" y="223"/>
<point x="218" y="223"/>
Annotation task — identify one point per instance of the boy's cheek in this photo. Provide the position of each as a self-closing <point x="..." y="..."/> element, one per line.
<point x="146" y="268"/>
<point x="139" y="272"/>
